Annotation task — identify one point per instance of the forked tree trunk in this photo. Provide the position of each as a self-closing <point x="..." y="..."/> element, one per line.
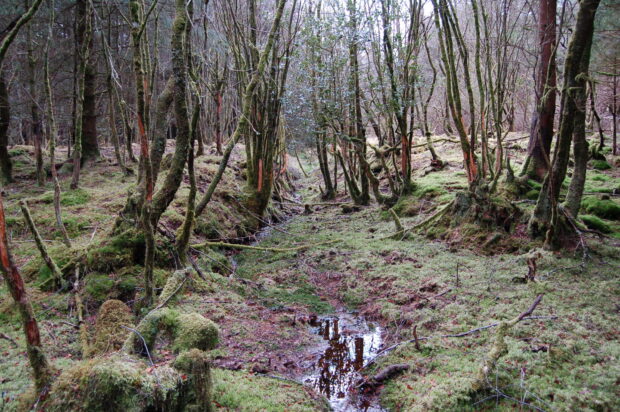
<point x="545" y="219"/>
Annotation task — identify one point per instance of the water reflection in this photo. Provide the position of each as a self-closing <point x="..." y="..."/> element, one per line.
<point x="350" y="342"/>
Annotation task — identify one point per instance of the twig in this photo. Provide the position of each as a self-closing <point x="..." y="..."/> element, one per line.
<point x="6" y="337"/>
<point x="143" y="341"/>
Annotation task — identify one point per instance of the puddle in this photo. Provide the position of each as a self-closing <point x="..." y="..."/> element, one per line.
<point x="348" y="343"/>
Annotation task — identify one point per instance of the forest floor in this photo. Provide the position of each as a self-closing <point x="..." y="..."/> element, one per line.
<point x="281" y="348"/>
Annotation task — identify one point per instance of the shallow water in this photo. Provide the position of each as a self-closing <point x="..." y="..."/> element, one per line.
<point x="349" y="342"/>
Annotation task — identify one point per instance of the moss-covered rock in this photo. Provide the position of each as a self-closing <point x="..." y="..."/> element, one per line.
<point x="187" y="330"/>
<point x="109" y="333"/>
<point x="117" y="384"/>
<point x="195" y="331"/>
<point x="603" y="208"/>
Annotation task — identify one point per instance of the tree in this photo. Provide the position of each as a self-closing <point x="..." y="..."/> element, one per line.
<point x="7" y="36"/>
<point x="546" y="220"/>
<point x="541" y="134"/>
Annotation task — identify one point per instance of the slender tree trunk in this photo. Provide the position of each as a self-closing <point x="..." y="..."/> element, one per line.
<point x="52" y="139"/>
<point x="580" y="144"/>
<point x="6" y="165"/>
<point x="35" y="125"/>
<point x="246" y="107"/>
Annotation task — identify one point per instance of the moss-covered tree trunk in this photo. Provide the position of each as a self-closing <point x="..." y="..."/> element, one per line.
<point x="88" y="143"/>
<point x="84" y="25"/>
<point x="38" y="361"/>
<point x="580" y="144"/>
<point x="545" y="219"/>
<point x="35" y="121"/>
<point x="6" y="166"/>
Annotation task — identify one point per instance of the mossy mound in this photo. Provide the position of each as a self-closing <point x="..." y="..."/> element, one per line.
<point x="109" y="333"/>
<point x="117" y="384"/>
<point x="195" y="331"/>
<point x="601" y="165"/>
<point x="74" y="197"/>
<point x="603" y="208"/>
<point x="595" y="223"/>
<point x="187" y="330"/>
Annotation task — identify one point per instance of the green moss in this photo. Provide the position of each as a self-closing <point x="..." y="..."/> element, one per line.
<point x="109" y="333"/>
<point x="18" y="151"/>
<point x="195" y="331"/>
<point x="188" y="330"/>
<point x="532" y="194"/>
<point x="304" y="295"/>
<point x="116" y="384"/>
<point x="98" y="287"/>
<point x="244" y="392"/>
<point x="600" y="165"/>
<point x="596" y="223"/>
<point x="534" y="184"/>
<point x="197" y="365"/>
<point x="603" y="208"/>
<point x="75" y="197"/>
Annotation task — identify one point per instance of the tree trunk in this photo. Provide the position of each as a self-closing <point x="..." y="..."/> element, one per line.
<point x="541" y="134"/>
<point x="6" y="166"/>
<point x="88" y="145"/>
<point x="544" y="220"/>
<point x="580" y="144"/>
<point x="38" y="361"/>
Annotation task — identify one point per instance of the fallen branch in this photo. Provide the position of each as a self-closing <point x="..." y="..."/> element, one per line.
<point x="265" y="249"/>
<point x="56" y="272"/>
<point x="7" y="337"/>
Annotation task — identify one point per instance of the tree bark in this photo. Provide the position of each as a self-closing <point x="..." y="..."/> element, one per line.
<point x="545" y="218"/>
<point x="541" y="134"/>
<point x="38" y="361"/>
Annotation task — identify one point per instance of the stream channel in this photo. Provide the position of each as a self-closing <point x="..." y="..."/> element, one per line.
<point x="347" y="343"/>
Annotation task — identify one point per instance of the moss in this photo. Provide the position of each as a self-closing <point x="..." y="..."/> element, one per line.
<point x="98" y="287"/>
<point x="174" y="282"/>
<point x="304" y="295"/>
<point x="188" y="330"/>
<point x="124" y="249"/>
<point x="405" y="206"/>
<point x="75" y="197"/>
<point x="534" y="184"/>
<point x="244" y="392"/>
<point x="603" y="208"/>
<point x="532" y="194"/>
<point x="195" y="331"/>
<point x="109" y="333"/>
<point x="197" y="365"/>
<point x="596" y="223"/>
<point x="600" y="165"/>
<point x="116" y="384"/>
